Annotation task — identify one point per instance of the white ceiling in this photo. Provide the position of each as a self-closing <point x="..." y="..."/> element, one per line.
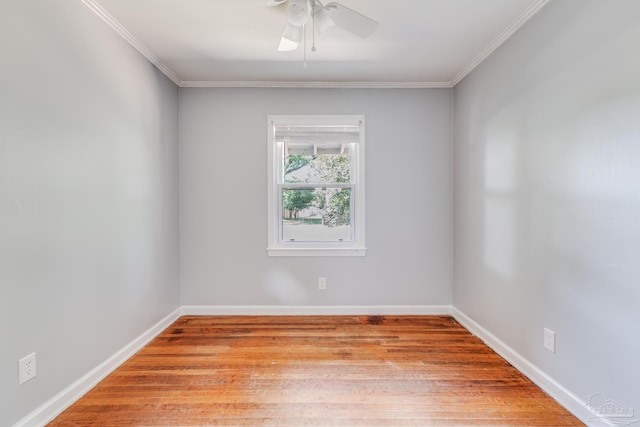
<point x="419" y="43"/>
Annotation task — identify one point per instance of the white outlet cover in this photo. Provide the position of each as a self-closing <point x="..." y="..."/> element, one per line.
<point x="550" y="340"/>
<point x="26" y="368"/>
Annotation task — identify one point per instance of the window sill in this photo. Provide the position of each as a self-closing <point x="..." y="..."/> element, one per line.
<point x="316" y="251"/>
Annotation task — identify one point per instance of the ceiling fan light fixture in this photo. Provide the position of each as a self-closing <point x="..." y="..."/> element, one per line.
<point x="287" y="45"/>
<point x="298" y="12"/>
<point x="291" y="37"/>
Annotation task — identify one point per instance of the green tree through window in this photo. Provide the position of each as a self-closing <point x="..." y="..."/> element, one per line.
<point x="293" y="201"/>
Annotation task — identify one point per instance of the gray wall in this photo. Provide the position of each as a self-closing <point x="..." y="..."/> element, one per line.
<point x="88" y="196"/>
<point x="547" y="195"/>
<point x="223" y="189"/>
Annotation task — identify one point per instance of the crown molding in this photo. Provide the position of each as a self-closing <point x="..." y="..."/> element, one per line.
<point x="111" y="21"/>
<point x="317" y="85"/>
<point x="503" y="37"/>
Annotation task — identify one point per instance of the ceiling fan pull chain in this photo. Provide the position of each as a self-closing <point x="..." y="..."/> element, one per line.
<point x="304" y="38"/>
<point x="313" y="24"/>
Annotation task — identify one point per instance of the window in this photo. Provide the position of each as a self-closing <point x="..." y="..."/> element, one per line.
<point x="316" y="185"/>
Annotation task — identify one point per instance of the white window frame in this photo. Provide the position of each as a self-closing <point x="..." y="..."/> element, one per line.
<point x="276" y="246"/>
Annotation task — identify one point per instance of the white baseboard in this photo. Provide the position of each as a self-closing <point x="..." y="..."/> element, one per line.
<point x="61" y="401"/>
<point x="314" y="310"/>
<point x="563" y="396"/>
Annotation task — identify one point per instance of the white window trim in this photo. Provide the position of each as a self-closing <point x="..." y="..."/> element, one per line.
<point x="277" y="248"/>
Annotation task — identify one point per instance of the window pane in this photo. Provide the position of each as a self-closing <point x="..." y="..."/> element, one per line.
<point x="317" y="163"/>
<point x="316" y="215"/>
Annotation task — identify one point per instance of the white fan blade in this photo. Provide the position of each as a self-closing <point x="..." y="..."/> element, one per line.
<point x="275" y="2"/>
<point x="291" y="37"/>
<point x="352" y="21"/>
<point x="322" y="18"/>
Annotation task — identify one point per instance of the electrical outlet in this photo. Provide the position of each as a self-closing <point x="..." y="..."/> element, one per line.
<point x="322" y="283"/>
<point x="550" y="340"/>
<point x="26" y="368"/>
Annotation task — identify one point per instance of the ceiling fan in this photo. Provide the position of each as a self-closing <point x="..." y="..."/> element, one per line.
<point x="299" y="12"/>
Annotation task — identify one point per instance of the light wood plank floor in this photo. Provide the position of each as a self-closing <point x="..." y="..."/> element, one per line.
<point x="316" y="371"/>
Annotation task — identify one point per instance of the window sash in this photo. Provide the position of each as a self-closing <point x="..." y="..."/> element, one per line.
<point x="353" y="166"/>
<point x="342" y="242"/>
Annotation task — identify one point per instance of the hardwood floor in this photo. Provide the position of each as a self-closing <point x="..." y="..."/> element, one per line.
<point x="316" y="371"/>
